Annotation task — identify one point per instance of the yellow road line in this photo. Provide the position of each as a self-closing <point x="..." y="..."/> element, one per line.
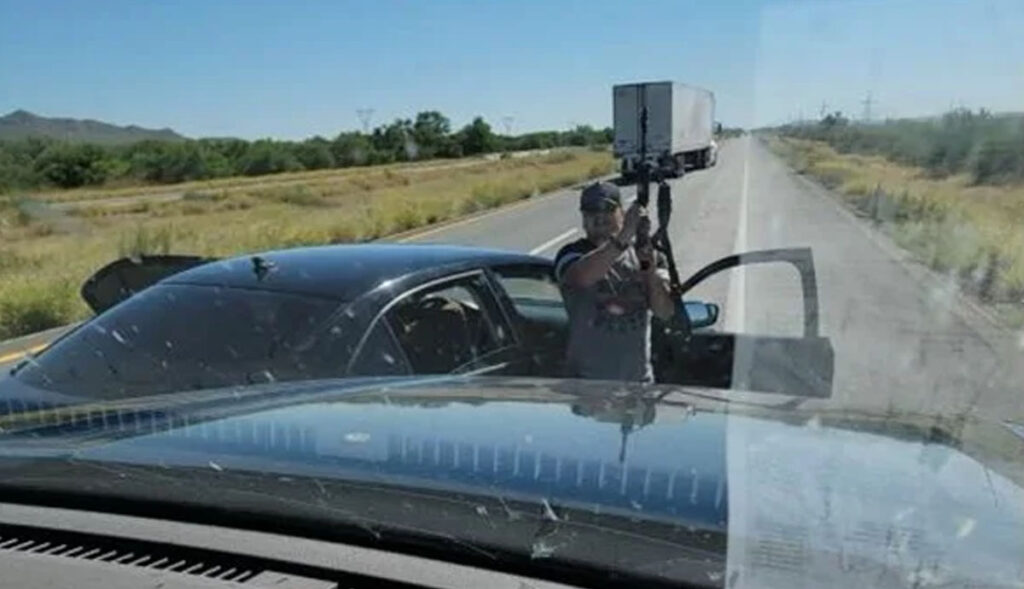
<point x="20" y="353"/>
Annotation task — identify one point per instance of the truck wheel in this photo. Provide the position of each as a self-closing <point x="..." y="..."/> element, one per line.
<point x="680" y="165"/>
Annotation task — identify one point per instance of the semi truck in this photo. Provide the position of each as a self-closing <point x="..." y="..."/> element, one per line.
<point x="680" y="127"/>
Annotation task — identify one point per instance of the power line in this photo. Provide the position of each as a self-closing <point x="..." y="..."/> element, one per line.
<point x="867" y="102"/>
<point x="365" y="114"/>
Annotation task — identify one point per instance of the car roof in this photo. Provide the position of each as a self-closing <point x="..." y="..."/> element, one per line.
<point x="342" y="272"/>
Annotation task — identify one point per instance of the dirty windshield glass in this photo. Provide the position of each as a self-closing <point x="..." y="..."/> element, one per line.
<point x="744" y="279"/>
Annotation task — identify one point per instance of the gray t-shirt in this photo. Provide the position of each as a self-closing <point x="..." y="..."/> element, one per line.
<point x="609" y="322"/>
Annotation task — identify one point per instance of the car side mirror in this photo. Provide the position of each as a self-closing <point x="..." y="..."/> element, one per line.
<point x="701" y="314"/>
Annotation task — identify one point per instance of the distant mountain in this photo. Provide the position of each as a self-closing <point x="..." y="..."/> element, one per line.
<point x="21" y="124"/>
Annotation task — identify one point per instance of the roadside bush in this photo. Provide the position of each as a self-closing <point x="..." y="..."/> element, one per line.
<point x="70" y="166"/>
<point x="266" y="157"/>
<point x="27" y="307"/>
<point x="315" y="154"/>
<point x="34" y="163"/>
<point x="998" y="159"/>
<point x="145" y="241"/>
<point x="989" y="147"/>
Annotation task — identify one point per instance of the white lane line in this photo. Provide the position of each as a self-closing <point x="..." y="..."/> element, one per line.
<point x="554" y="241"/>
<point x="741" y="502"/>
<point x="735" y="317"/>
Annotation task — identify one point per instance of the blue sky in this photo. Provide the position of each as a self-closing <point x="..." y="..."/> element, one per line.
<point x="292" y="69"/>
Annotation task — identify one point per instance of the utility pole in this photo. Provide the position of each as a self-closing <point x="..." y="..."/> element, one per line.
<point x="364" y="115"/>
<point x="507" y="120"/>
<point x="823" y="110"/>
<point x="867" y="102"/>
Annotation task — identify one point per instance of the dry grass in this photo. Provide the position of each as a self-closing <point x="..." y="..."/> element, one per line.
<point x="973" y="232"/>
<point x="355" y="174"/>
<point x="40" y="274"/>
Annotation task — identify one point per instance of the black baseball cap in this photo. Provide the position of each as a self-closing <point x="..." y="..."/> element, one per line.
<point x="600" y="197"/>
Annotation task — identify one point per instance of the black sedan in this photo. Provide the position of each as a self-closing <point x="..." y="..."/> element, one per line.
<point x="176" y="323"/>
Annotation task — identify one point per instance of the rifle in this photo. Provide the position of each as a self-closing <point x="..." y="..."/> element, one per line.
<point x="660" y="240"/>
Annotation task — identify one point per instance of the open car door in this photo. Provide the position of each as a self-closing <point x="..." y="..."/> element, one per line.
<point x="122" y="278"/>
<point x="799" y="366"/>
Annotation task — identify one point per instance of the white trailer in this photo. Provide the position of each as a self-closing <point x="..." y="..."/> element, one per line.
<point x="680" y="126"/>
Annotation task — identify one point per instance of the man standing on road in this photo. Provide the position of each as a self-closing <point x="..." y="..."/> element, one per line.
<point x="611" y="289"/>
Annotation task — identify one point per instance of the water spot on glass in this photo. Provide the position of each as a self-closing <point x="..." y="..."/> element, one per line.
<point x="163" y="364"/>
<point x="99" y="328"/>
<point x="388" y="358"/>
<point x="170" y="297"/>
<point x="336" y="330"/>
<point x="528" y="438"/>
<point x="117" y="336"/>
<point x="715" y="576"/>
<point x="636" y="505"/>
<point x="270" y="377"/>
<point x="135" y="258"/>
<point x="542" y="549"/>
<point x="357" y="437"/>
<point x="500" y="332"/>
<point x="168" y="344"/>
<point x="481" y="511"/>
<point x="549" y="513"/>
<point x="135" y="329"/>
<point x="350" y="313"/>
<point x="215" y="466"/>
<point x="695" y="485"/>
<point x="966" y="527"/>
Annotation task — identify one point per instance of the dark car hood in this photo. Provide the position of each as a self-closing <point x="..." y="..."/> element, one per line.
<point x="822" y="499"/>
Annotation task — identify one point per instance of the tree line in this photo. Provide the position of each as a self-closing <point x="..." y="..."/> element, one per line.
<point x="988" y="147"/>
<point x="36" y="163"/>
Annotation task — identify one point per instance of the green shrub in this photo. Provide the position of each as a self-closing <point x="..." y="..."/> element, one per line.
<point x="989" y="147"/>
<point x="27" y="307"/>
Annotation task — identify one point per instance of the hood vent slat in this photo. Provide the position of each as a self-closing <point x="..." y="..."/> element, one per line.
<point x="127" y="552"/>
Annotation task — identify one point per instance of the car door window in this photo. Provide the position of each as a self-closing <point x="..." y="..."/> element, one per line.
<point x="449" y="327"/>
<point x="540" y="316"/>
<point x="530" y="289"/>
<point x="380" y="354"/>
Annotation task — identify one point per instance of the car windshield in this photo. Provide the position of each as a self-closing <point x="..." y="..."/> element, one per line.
<point x="774" y="246"/>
